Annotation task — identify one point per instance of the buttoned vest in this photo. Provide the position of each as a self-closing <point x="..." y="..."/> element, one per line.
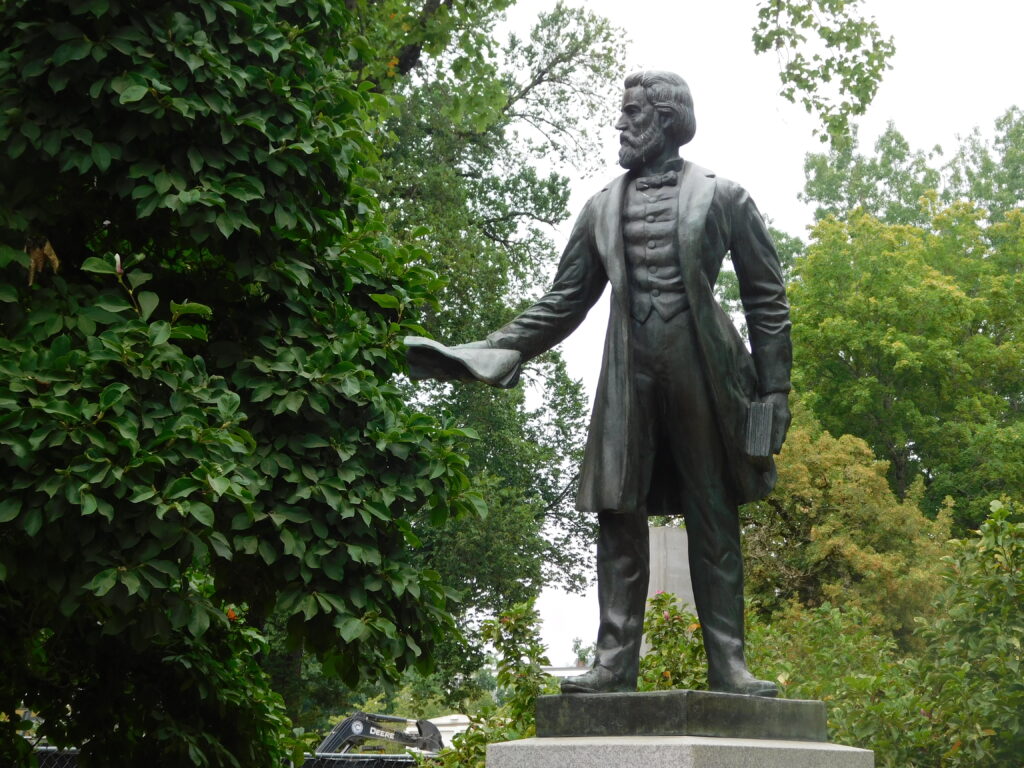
<point x="652" y="261"/>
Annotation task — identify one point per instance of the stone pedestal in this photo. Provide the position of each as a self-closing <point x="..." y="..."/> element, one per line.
<point x="680" y="713"/>
<point x="673" y="752"/>
<point x="677" y="729"/>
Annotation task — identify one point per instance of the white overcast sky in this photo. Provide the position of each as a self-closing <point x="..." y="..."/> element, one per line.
<point x="957" y="66"/>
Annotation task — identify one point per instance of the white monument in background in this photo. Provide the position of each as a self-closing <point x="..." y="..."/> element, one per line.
<point x="670" y="565"/>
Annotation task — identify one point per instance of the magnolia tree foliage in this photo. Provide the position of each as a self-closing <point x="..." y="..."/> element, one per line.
<point x="200" y="317"/>
<point x="462" y="153"/>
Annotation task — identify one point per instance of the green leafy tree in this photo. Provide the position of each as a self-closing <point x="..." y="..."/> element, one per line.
<point x="870" y="687"/>
<point x="470" y="171"/>
<point x="955" y="700"/>
<point x="905" y="338"/>
<point x="970" y="674"/>
<point x="991" y="174"/>
<point x="960" y="432"/>
<point x="879" y="330"/>
<point x="676" y="658"/>
<point x="897" y="183"/>
<point x="520" y="679"/>
<point x="830" y="57"/>
<point x="889" y="186"/>
<point x="819" y="653"/>
<point x="459" y="156"/>
<point x="199" y="414"/>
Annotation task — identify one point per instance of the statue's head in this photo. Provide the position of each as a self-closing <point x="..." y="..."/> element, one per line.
<point x="657" y="111"/>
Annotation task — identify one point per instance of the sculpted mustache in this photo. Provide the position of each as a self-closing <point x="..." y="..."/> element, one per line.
<point x="634" y="142"/>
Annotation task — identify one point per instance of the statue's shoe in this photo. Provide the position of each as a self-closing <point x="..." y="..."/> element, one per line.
<point x="741" y="681"/>
<point x="597" y="680"/>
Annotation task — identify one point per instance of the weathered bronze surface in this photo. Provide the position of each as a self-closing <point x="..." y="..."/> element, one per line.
<point x="681" y="713"/>
<point x="668" y="434"/>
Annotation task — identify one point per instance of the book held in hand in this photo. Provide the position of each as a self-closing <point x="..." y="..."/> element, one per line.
<point x="759" y="430"/>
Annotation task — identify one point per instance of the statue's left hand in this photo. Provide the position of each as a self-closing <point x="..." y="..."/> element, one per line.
<point x="781" y="417"/>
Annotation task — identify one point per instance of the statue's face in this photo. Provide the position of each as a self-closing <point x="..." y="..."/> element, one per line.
<point x="641" y="136"/>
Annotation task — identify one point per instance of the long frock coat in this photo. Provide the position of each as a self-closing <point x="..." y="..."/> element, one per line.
<point x="715" y="216"/>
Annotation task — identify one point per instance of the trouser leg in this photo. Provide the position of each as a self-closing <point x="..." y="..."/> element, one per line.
<point x="623" y="569"/>
<point x="716" y="573"/>
<point x="698" y="459"/>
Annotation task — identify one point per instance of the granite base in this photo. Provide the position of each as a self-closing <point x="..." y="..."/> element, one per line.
<point x="673" y="752"/>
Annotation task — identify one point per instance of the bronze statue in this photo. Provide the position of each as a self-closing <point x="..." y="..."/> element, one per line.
<point x="669" y="430"/>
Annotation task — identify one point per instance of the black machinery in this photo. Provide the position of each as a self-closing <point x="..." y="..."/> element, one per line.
<point x="361" y="727"/>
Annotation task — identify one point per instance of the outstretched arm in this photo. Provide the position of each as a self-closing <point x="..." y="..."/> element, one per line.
<point x="577" y="286"/>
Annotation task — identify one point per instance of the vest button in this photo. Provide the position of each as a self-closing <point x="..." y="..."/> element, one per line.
<point x="652" y="244"/>
<point x="653" y="268"/>
<point x="651" y="217"/>
<point x="655" y="292"/>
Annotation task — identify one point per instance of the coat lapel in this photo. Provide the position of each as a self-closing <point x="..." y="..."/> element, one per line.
<point x="608" y="234"/>
<point x="696" y="190"/>
<point x="726" y="362"/>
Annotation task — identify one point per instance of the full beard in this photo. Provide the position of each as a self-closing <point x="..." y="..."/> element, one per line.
<point x="635" y="151"/>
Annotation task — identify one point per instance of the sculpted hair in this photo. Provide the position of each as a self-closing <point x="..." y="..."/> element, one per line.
<point x="670" y="95"/>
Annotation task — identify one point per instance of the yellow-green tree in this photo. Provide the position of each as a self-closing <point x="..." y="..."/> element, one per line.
<point x="833" y="531"/>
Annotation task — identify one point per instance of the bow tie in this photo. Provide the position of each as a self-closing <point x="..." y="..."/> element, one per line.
<point x="667" y="179"/>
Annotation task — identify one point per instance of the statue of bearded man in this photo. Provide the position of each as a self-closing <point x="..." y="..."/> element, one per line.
<point x="669" y="430"/>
